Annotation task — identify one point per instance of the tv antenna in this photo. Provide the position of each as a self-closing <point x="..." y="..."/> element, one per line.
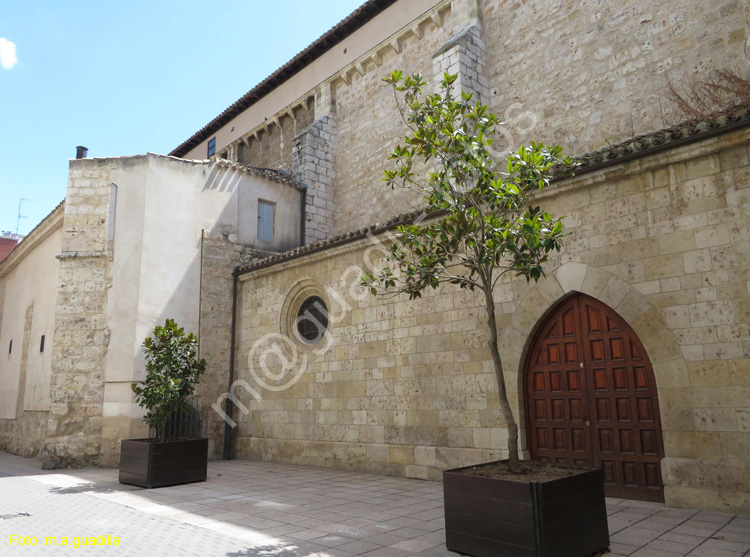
<point x="20" y="216"/>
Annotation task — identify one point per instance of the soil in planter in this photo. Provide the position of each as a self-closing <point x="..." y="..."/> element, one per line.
<point x="538" y="472"/>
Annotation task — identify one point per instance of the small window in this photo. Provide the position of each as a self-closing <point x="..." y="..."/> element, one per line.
<point x="312" y="319"/>
<point x="10" y="347"/>
<point x="211" y="147"/>
<point x="266" y="220"/>
<point x="41" y="344"/>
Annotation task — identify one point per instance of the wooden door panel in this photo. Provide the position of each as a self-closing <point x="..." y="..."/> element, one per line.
<point x="557" y="384"/>
<point x="569" y="322"/>
<point x="592" y="398"/>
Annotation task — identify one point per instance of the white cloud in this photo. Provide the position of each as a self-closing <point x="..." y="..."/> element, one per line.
<point x="8" y="57"/>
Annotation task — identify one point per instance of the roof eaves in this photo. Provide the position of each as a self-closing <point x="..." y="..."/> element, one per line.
<point x="332" y="37"/>
<point x="669" y="138"/>
<point x="267" y="173"/>
<point x="640" y="146"/>
<point x="345" y="238"/>
<point x="32" y="236"/>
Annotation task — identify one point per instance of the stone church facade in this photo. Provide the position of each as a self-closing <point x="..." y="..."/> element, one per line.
<point x="408" y="388"/>
<point x="632" y="354"/>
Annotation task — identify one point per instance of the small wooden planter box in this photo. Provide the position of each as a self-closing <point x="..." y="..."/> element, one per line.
<point x="150" y="463"/>
<point x="489" y="517"/>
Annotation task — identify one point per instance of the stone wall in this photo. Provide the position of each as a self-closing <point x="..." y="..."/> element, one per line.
<point x="406" y="387"/>
<point x="361" y="196"/>
<point x="219" y="255"/>
<point x="464" y="55"/>
<point x="28" y="289"/>
<point x="25" y="435"/>
<point x="314" y="164"/>
<point x="74" y="426"/>
<point x="272" y="148"/>
<point x="663" y="241"/>
<point x="596" y="73"/>
<point x="580" y="74"/>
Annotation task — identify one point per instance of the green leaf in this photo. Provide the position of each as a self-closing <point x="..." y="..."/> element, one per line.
<point x="172" y="373"/>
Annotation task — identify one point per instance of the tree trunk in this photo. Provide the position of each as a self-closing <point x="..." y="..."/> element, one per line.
<point x="510" y="421"/>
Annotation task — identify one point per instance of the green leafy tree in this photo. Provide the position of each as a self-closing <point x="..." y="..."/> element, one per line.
<point x="172" y="373"/>
<point x="482" y="224"/>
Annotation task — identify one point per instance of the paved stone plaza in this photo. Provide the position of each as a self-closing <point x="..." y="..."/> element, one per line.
<point x="259" y="509"/>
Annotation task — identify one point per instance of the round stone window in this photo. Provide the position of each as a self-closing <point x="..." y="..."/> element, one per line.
<point x="312" y="319"/>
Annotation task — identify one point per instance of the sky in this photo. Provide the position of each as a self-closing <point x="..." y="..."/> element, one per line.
<point x="128" y="77"/>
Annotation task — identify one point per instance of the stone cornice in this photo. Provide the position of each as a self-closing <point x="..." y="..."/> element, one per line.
<point x="683" y="134"/>
<point x="305" y="259"/>
<point x="84" y="254"/>
<point x="336" y="241"/>
<point x="359" y="66"/>
<point x="649" y="161"/>
<point x="346" y="27"/>
<point x="700" y="144"/>
<point x="267" y="173"/>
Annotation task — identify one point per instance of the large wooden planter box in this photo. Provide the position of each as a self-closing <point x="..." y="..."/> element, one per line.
<point x="150" y="463"/>
<point x="488" y="517"/>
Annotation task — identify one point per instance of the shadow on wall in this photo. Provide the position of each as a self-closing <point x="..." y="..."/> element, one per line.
<point x="216" y="198"/>
<point x="227" y="183"/>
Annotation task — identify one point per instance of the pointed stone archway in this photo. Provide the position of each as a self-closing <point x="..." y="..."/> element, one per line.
<point x="628" y="303"/>
<point x="591" y="398"/>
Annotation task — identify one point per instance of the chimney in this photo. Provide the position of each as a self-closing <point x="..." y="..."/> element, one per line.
<point x="81" y="152"/>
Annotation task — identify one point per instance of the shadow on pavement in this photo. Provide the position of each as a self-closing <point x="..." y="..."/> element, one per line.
<point x="266" y="550"/>
<point x="84" y="488"/>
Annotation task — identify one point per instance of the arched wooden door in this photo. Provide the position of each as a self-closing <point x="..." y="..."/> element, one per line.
<point x="591" y="398"/>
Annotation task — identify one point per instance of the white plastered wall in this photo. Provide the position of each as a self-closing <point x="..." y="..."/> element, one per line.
<point x="287" y="213"/>
<point x="31" y="281"/>
<point x="163" y="205"/>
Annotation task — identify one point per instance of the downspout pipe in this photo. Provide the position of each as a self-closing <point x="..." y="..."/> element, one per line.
<point x="229" y="408"/>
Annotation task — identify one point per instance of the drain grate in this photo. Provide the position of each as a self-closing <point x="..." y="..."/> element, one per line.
<point x="9" y="516"/>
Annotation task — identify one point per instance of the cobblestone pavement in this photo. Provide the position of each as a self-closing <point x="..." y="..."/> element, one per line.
<point x="260" y="509"/>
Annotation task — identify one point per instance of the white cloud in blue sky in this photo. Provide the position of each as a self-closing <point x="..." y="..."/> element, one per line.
<point x="8" y="57"/>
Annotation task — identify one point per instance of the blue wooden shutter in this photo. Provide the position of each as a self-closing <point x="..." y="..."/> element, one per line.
<point x="266" y="212"/>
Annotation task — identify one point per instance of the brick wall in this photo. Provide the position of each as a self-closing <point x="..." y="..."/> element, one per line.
<point x="407" y="388"/>
<point x="6" y="246"/>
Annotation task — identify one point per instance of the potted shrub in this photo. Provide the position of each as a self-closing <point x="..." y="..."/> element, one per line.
<point x="479" y="226"/>
<point x="172" y="455"/>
